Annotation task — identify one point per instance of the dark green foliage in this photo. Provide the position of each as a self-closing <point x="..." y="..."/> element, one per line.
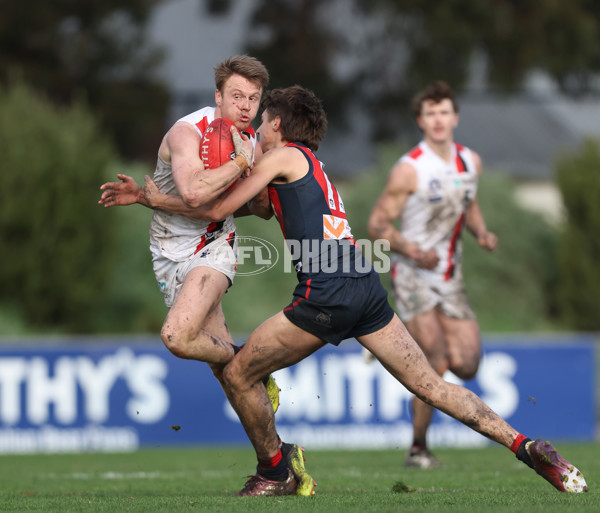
<point x="56" y="242"/>
<point x="97" y="51"/>
<point x="578" y="177"/>
<point x="511" y="289"/>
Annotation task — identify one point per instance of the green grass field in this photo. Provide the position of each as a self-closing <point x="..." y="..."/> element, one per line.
<point x="161" y="480"/>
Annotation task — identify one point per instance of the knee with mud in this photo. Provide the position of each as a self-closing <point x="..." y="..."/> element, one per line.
<point x="176" y="342"/>
<point x="231" y="377"/>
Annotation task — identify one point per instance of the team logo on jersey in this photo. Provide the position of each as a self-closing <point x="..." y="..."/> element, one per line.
<point x="335" y="227"/>
<point x="435" y="190"/>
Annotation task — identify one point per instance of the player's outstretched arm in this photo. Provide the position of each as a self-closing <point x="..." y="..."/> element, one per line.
<point x="125" y="192"/>
<point x="172" y="203"/>
<point x="128" y="192"/>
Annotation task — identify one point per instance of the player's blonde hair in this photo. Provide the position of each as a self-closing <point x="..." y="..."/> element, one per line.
<point x="244" y="65"/>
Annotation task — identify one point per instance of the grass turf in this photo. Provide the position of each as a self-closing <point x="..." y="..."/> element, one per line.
<point x="205" y="479"/>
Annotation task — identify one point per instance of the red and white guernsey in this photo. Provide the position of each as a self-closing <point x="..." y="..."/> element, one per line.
<point x="178" y="237"/>
<point x="434" y="215"/>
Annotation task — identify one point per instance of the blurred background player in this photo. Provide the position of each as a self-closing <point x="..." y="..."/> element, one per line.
<point x="195" y="260"/>
<point x="432" y="191"/>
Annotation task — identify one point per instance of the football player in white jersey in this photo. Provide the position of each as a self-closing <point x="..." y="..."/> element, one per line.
<point x="195" y="260"/>
<point x="192" y="287"/>
<point x="432" y="193"/>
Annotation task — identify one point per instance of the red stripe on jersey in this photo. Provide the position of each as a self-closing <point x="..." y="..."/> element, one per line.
<point x="201" y="244"/>
<point x="202" y="125"/>
<point x="394" y="271"/>
<point x="276" y="204"/>
<point x="460" y="163"/>
<point x="321" y="179"/>
<point x="415" y="153"/>
<point x="323" y="182"/>
<point x="452" y="249"/>
<point x="209" y="235"/>
<point x="250" y="132"/>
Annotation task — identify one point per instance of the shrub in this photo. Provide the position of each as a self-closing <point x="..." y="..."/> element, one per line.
<point x="578" y="177"/>
<point x="56" y="241"/>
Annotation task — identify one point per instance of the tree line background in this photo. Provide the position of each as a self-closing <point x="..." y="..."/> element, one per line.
<point x="80" y="100"/>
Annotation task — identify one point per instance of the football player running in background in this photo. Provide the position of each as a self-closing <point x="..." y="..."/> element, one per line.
<point x="432" y="191"/>
<point x="338" y="296"/>
<point x="195" y="260"/>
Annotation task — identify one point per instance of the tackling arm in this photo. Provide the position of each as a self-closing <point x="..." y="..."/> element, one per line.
<point x="229" y="202"/>
<point x="260" y="205"/>
<point x="253" y="190"/>
<point x="128" y="192"/>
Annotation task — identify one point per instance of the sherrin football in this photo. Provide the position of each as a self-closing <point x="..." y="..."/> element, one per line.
<point x="216" y="147"/>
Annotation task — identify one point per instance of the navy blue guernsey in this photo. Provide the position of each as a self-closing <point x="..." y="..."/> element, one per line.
<point x="313" y="221"/>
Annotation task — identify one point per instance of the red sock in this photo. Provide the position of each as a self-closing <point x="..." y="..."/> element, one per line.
<point x="519" y="448"/>
<point x="274" y="468"/>
<point x="515" y="445"/>
<point x="271" y="462"/>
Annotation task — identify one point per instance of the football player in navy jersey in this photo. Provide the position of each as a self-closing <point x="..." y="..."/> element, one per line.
<point x="194" y="259"/>
<point x="338" y="296"/>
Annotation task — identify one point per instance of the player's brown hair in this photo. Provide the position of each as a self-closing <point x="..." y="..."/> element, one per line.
<point x="244" y="65"/>
<point x="435" y="92"/>
<point x="303" y="118"/>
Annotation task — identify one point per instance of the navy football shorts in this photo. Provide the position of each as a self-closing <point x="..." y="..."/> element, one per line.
<point x="337" y="308"/>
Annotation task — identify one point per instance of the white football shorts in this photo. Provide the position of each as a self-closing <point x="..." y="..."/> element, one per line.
<point x="416" y="292"/>
<point x="220" y="254"/>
